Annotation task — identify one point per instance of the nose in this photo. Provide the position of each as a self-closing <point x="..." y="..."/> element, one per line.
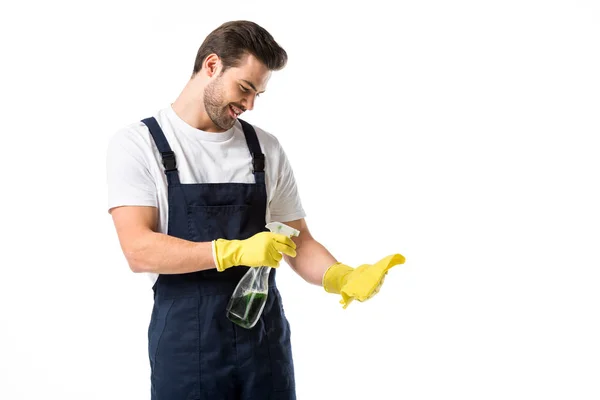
<point x="250" y="102"/>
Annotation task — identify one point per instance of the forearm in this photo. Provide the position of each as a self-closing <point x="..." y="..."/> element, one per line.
<point x="311" y="261"/>
<point x="164" y="254"/>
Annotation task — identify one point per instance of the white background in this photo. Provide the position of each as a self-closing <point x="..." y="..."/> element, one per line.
<point x="462" y="134"/>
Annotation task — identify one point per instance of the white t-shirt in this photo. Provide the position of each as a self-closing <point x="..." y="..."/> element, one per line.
<point x="135" y="174"/>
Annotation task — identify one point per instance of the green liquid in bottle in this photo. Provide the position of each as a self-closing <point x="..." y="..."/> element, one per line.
<point x="245" y="310"/>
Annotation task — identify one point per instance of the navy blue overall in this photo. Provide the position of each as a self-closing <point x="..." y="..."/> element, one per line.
<point x="195" y="352"/>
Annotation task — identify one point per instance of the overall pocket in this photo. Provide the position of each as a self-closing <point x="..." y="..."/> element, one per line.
<point x="175" y="350"/>
<point x="158" y="320"/>
<point x="280" y="348"/>
<point x="207" y="223"/>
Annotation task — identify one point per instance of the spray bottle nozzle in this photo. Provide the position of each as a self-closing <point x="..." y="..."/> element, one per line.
<point x="278" y="227"/>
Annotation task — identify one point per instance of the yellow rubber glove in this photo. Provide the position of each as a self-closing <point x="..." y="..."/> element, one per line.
<point x="261" y="250"/>
<point x="361" y="283"/>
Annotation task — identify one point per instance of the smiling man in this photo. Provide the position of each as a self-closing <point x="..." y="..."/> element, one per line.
<point x="190" y="191"/>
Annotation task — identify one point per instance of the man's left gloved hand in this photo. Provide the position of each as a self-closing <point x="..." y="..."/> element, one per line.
<point x="359" y="283"/>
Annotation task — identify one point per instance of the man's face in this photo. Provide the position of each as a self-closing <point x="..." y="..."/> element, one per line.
<point x="234" y="91"/>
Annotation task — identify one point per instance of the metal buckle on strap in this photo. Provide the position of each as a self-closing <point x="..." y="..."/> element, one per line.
<point x="168" y="160"/>
<point x="258" y="162"/>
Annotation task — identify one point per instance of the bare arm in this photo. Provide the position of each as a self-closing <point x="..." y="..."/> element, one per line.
<point x="312" y="259"/>
<point x="149" y="251"/>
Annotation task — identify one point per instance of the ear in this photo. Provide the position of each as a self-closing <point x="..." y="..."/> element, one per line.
<point x="212" y="64"/>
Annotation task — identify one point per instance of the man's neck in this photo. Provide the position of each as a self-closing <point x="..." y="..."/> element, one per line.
<point x="190" y="108"/>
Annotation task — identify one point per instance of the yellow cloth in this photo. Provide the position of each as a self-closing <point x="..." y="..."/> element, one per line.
<point x="361" y="283"/>
<point x="262" y="249"/>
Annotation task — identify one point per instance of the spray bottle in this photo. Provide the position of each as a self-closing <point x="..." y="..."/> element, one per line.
<point x="250" y="295"/>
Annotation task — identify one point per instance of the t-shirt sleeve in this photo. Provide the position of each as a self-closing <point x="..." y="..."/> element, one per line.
<point x="285" y="205"/>
<point x="128" y="177"/>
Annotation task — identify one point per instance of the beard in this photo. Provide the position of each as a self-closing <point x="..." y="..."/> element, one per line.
<point x="215" y="106"/>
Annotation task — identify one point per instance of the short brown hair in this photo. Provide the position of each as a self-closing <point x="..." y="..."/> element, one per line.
<point x="233" y="40"/>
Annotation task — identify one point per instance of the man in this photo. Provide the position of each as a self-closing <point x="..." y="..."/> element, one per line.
<point x="190" y="192"/>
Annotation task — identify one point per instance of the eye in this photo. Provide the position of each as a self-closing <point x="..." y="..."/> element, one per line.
<point x="243" y="89"/>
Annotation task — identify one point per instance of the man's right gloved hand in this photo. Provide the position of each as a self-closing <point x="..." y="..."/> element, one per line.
<point x="262" y="249"/>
